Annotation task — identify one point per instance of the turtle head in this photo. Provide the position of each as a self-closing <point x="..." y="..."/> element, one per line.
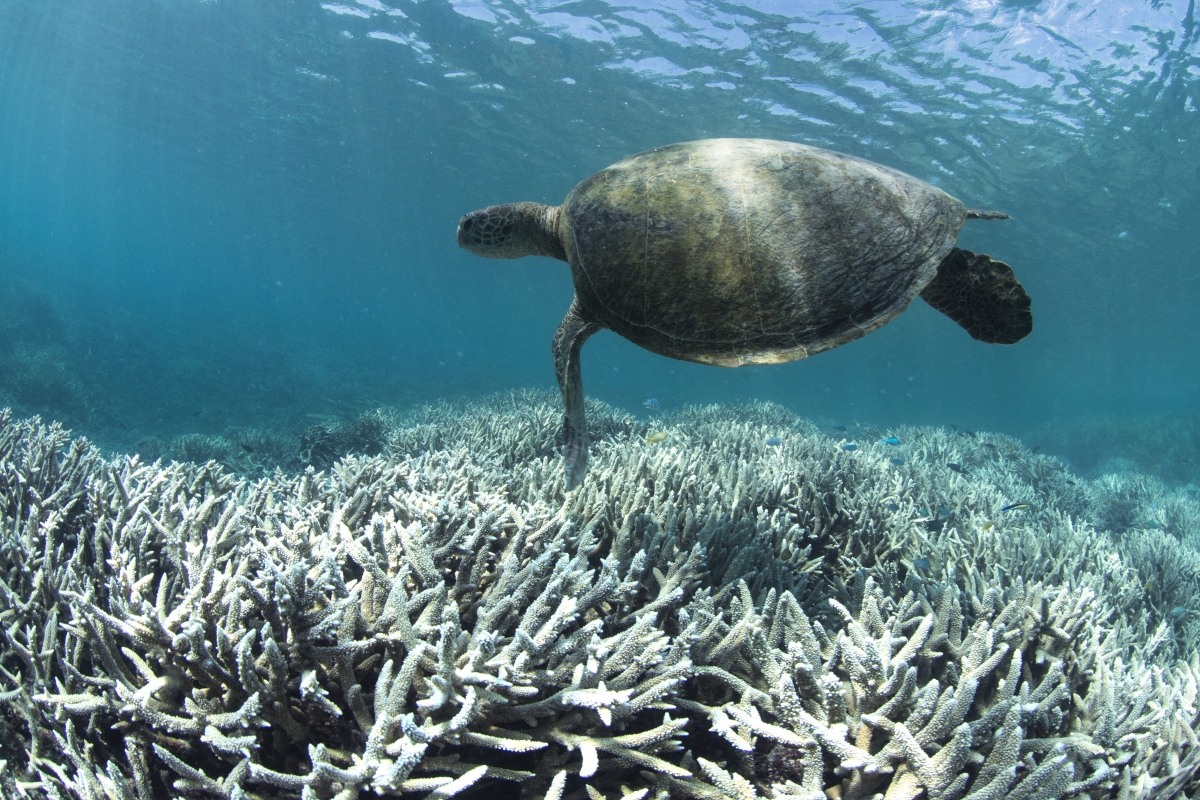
<point x="492" y="232"/>
<point x="511" y="231"/>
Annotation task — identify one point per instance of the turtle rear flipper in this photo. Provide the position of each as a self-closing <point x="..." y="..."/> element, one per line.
<point x="981" y="295"/>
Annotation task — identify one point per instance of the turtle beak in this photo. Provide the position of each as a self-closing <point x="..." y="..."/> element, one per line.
<point x="464" y="225"/>
<point x="469" y="229"/>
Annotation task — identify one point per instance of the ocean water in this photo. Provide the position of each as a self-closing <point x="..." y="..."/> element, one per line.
<point x="220" y="215"/>
<point x="227" y="231"/>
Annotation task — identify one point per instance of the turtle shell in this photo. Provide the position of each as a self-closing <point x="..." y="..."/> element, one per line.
<point x="751" y="251"/>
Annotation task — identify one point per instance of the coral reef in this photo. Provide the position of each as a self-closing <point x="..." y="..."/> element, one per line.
<point x="260" y="451"/>
<point x="709" y="617"/>
<point x="940" y="508"/>
<point x="247" y="451"/>
<point x="323" y="444"/>
<point x="1162" y="445"/>
<point x="38" y="372"/>
<point x="181" y="389"/>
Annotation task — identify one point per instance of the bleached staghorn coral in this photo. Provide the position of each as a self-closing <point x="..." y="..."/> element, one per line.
<point x="820" y="513"/>
<point x="910" y="700"/>
<point x="1164" y="445"/>
<point x="1168" y="573"/>
<point x="1107" y="534"/>
<point x="323" y="636"/>
<point x="225" y="648"/>
<point x="805" y="507"/>
<point x="43" y="499"/>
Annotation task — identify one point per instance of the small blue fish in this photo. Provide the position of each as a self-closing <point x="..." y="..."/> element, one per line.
<point x="920" y="563"/>
<point x="1015" y="506"/>
<point x="852" y="446"/>
<point x="892" y="507"/>
<point x="651" y="403"/>
<point x="899" y="462"/>
<point x="943" y="512"/>
<point x="839" y="427"/>
<point x="891" y="440"/>
<point x="774" y="441"/>
<point x="1178" y="611"/>
<point x="957" y="468"/>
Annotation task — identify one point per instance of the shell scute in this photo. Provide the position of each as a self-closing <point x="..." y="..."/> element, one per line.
<point x="751" y="251"/>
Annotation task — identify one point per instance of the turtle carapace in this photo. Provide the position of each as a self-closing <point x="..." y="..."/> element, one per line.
<point x="748" y="251"/>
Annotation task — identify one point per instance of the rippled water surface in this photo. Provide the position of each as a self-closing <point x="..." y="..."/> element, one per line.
<point x="218" y="213"/>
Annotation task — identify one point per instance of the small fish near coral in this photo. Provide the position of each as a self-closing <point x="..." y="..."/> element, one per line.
<point x="933" y="522"/>
<point x="774" y="441"/>
<point x="899" y="462"/>
<point x="892" y="440"/>
<point x="1016" y="506"/>
<point x="651" y="403"/>
<point x="850" y="447"/>
<point x="656" y="437"/>
<point x="902" y="246"/>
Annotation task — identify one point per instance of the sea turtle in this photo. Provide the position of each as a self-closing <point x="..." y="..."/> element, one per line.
<point x="748" y="251"/>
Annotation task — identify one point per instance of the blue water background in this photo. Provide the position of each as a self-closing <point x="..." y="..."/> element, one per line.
<point x="226" y="213"/>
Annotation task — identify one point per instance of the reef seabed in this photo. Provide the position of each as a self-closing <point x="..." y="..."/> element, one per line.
<point x="714" y="619"/>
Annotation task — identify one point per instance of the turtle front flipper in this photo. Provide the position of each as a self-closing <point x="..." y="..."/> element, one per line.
<point x="981" y="295"/>
<point x="572" y="332"/>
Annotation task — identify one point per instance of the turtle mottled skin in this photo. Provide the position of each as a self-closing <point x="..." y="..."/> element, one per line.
<point x="748" y="251"/>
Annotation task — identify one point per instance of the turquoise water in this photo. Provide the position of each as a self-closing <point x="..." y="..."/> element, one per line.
<point x="219" y="214"/>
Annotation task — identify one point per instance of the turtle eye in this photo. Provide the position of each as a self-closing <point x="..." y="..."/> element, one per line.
<point x="468" y="223"/>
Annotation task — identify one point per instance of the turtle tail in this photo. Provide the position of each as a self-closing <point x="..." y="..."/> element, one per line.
<point x="979" y="213"/>
<point x="981" y="295"/>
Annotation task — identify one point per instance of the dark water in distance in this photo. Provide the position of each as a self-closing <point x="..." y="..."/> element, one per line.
<point x="219" y="213"/>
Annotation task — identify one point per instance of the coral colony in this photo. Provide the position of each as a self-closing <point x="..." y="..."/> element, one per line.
<point x="714" y="616"/>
